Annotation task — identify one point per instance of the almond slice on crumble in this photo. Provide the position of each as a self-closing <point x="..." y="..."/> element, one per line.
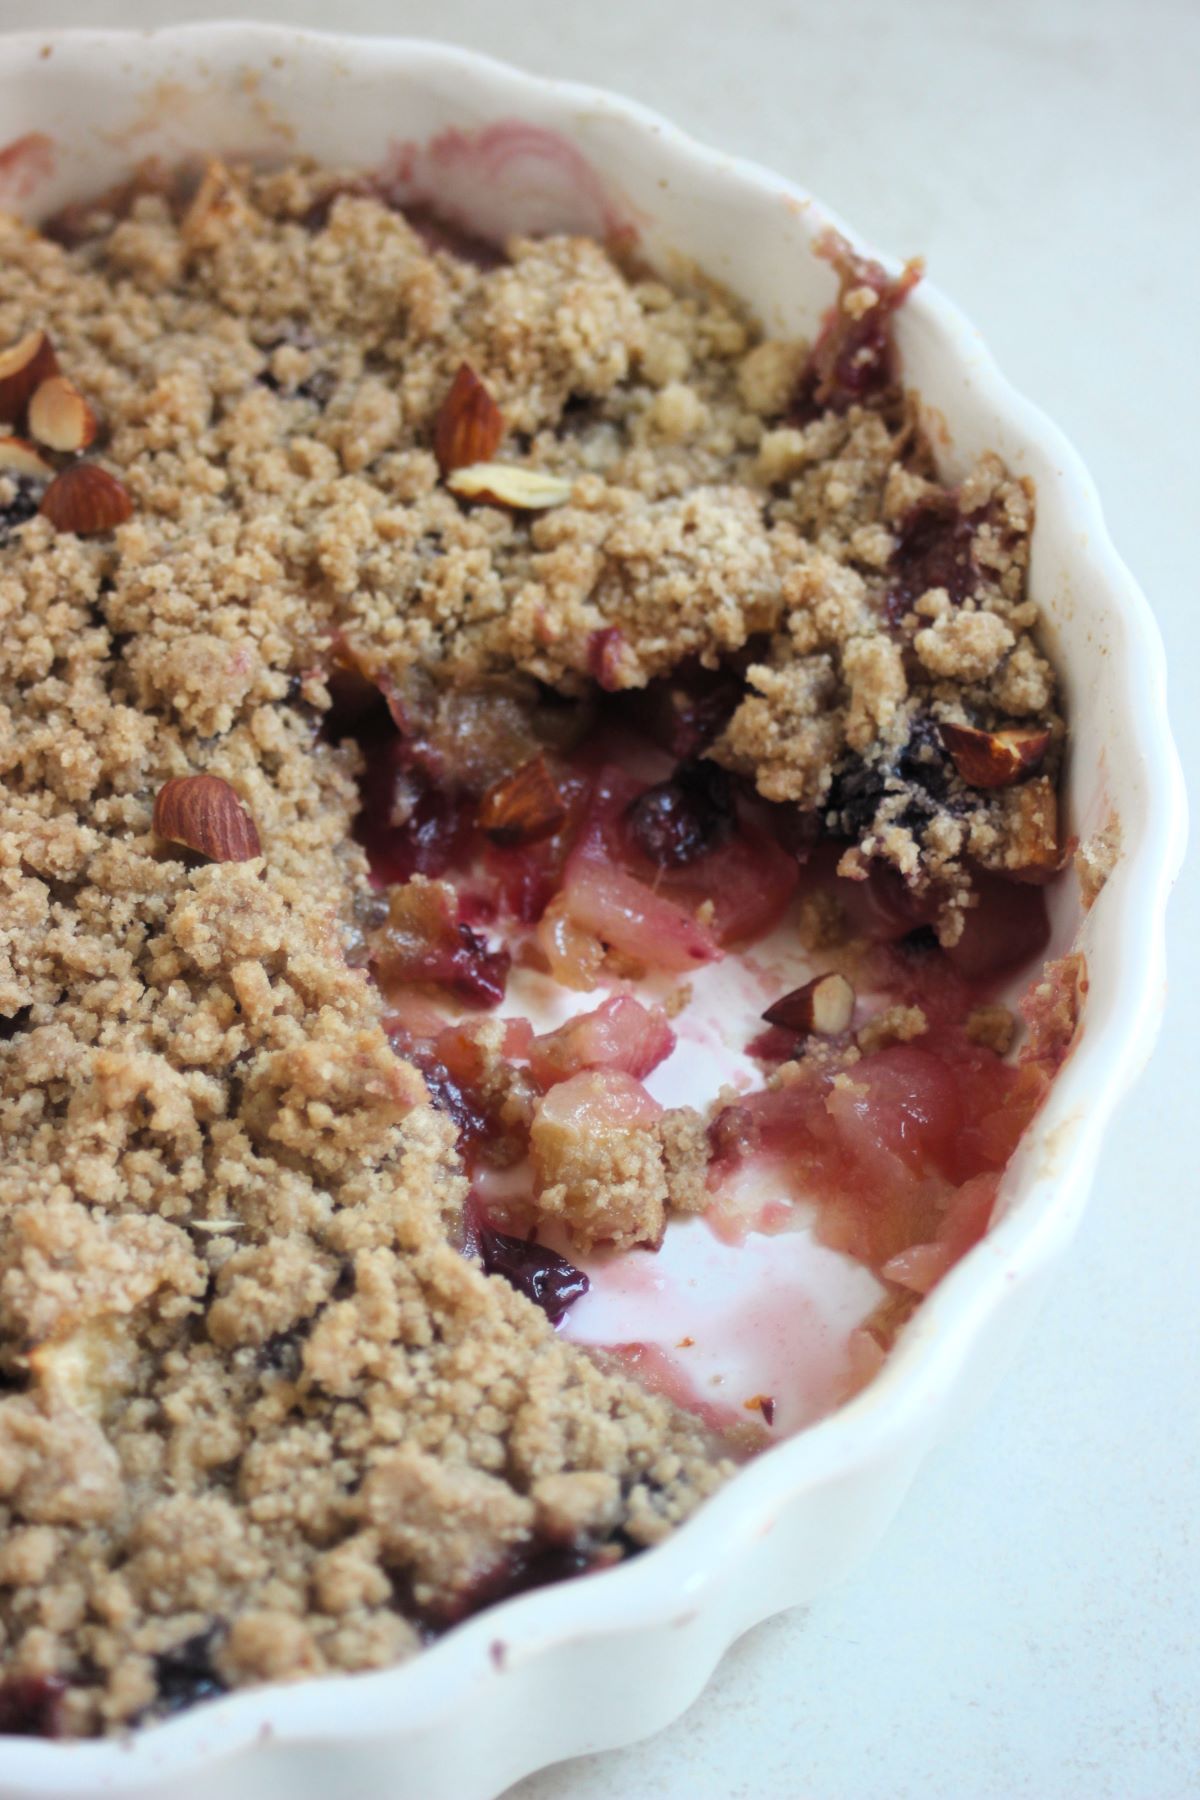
<point x="824" y="1006"/>
<point x="993" y="759"/>
<point x="23" y="368"/>
<point x="469" y="426"/>
<point x="60" y="417"/>
<point x="506" y="484"/>
<point x="19" y="457"/>
<point x="86" y="499"/>
<point x="203" y="813"/>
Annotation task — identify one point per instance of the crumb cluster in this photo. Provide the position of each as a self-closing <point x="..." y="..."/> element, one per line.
<point x="259" y="1416"/>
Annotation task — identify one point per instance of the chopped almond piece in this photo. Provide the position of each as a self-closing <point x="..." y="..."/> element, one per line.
<point x="86" y="499"/>
<point x="469" y="425"/>
<point x="19" y="457"/>
<point x="993" y="759"/>
<point x="23" y="367"/>
<point x="204" y="813"/>
<point x="505" y="484"/>
<point x="60" y="417"/>
<point x="823" y="1006"/>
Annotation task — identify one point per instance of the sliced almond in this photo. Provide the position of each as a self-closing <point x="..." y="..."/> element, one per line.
<point x="523" y="808"/>
<point x="23" y="367"/>
<point x="204" y="813"/>
<point x="469" y="424"/>
<point x="19" y="457"/>
<point x="824" y="1006"/>
<point x="994" y="759"/>
<point x="505" y="484"/>
<point x="60" y="417"/>
<point x="86" y="499"/>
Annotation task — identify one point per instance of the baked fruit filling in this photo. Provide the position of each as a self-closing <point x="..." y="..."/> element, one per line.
<point x="525" y="805"/>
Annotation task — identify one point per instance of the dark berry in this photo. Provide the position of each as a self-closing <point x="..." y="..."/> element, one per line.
<point x="678" y="820"/>
<point x="318" y="387"/>
<point x="542" y="1275"/>
<point x="933" y="550"/>
<point x="684" y="711"/>
<point x="31" y="1706"/>
<point x="448" y="1096"/>
<point x="922" y="773"/>
<point x="474" y="971"/>
<point x="919" y="944"/>
<point x="854" y="796"/>
<point x="283" y="1354"/>
<point x="22" y="506"/>
<point x="407" y="825"/>
<point x="546" y="1564"/>
<point x="924" y="765"/>
<point x="519" y="1572"/>
<point x="185" y="1675"/>
<point x="774" y="1045"/>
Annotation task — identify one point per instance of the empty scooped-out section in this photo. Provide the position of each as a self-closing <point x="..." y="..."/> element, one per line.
<point x="771" y="1306"/>
<point x="758" y="1330"/>
<point x="738" y="1323"/>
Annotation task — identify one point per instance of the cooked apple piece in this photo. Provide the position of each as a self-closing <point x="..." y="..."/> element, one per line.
<point x="597" y="1159"/>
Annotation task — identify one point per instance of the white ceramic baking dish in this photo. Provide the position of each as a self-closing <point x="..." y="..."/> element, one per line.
<point x="598" y="1662"/>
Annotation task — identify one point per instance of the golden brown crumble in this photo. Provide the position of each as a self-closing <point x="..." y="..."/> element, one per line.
<point x="257" y="1411"/>
<point x="1096" y="858"/>
<point x="894" y="1025"/>
<point x="994" y="1026"/>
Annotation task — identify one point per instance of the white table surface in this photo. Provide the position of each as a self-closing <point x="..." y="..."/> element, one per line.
<point x="1031" y="1625"/>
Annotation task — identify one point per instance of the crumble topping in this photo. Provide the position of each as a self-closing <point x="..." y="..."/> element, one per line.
<point x="259" y="1415"/>
<point x="1095" y="859"/>
<point x="994" y="1026"/>
<point x="894" y="1025"/>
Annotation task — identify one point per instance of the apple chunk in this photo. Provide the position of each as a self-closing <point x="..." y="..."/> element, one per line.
<point x="598" y="1159"/>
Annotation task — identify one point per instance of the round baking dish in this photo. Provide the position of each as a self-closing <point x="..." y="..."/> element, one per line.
<point x="591" y="1664"/>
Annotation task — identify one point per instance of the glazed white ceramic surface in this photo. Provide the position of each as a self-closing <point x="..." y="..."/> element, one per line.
<point x="601" y="1661"/>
